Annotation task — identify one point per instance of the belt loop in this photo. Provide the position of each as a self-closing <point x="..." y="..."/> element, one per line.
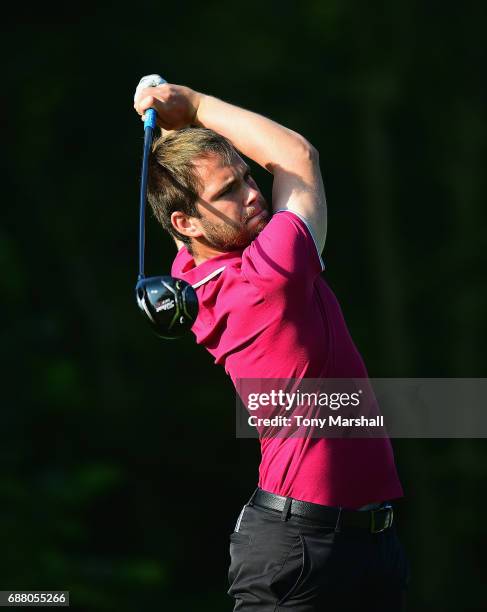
<point x="337" y="524"/>
<point x="286" y="509"/>
<point x="251" y="500"/>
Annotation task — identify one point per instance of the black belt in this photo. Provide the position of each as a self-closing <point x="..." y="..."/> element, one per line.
<point x="374" y="521"/>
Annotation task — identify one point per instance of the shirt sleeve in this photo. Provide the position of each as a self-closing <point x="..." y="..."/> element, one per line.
<point x="283" y="256"/>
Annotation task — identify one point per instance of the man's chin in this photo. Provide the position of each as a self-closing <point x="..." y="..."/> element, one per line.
<point x="258" y="223"/>
<point x="241" y="240"/>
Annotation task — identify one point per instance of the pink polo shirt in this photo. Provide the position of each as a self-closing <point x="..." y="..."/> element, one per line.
<point x="266" y="312"/>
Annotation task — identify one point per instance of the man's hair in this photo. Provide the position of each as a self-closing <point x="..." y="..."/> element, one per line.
<point x="173" y="183"/>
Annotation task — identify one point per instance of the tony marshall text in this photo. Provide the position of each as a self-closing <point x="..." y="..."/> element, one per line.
<point x="300" y="421"/>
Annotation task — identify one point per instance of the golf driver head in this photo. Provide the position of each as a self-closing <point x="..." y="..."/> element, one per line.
<point x="170" y="305"/>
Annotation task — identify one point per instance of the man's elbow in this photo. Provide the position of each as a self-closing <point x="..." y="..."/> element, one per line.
<point x="302" y="154"/>
<point x="308" y="152"/>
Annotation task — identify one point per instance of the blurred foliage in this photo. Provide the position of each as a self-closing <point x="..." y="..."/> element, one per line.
<point x="114" y="442"/>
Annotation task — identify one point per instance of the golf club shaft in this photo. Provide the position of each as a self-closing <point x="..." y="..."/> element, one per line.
<point x="149" y="125"/>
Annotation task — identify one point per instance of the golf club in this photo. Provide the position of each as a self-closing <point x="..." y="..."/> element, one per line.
<point x="170" y="305"/>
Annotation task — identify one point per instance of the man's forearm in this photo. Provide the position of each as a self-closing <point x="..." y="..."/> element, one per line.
<point x="293" y="161"/>
<point x="266" y="142"/>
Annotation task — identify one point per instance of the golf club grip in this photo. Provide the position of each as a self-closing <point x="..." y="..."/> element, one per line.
<point x="150" y="80"/>
<point x="150" y="120"/>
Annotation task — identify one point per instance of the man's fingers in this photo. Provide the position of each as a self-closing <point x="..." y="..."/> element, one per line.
<point x="142" y="105"/>
<point x="162" y="87"/>
<point x="172" y="103"/>
<point x="161" y="92"/>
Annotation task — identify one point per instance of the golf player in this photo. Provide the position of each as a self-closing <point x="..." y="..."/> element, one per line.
<point x="318" y="532"/>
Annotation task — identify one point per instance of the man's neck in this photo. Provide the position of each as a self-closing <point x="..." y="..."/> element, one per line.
<point x="202" y="253"/>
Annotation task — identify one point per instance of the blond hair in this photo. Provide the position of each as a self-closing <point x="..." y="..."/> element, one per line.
<point x="173" y="183"/>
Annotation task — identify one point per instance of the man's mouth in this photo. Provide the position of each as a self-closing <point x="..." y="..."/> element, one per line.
<point x="255" y="214"/>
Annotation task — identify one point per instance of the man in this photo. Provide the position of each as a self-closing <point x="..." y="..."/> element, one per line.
<point x="317" y="533"/>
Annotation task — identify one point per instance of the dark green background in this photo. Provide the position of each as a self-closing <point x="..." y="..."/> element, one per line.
<point x="113" y="442"/>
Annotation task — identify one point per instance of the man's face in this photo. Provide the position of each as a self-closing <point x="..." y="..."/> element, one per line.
<point x="233" y="209"/>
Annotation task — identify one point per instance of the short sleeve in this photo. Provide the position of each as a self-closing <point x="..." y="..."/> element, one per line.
<point x="284" y="254"/>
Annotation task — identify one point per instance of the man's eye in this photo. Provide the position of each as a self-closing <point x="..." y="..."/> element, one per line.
<point x="227" y="190"/>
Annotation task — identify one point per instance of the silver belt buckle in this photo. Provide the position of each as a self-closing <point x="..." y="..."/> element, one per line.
<point x="388" y="520"/>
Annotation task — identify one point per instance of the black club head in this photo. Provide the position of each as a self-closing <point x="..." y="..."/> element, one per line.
<point x="170" y="305"/>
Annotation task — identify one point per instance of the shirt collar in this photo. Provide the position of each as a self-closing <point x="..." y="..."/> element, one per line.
<point x="185" y="268"/>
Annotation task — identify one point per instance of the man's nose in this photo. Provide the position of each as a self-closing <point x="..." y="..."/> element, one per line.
<point x="252" y="196"/>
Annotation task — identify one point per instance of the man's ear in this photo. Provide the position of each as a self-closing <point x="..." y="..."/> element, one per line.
<point x="186" y="225"/>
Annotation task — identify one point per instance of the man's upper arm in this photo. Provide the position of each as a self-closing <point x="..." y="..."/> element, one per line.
<point x="301" y="191"/>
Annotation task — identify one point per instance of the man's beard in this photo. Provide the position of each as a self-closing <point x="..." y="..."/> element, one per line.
<point x="226" y="237"/>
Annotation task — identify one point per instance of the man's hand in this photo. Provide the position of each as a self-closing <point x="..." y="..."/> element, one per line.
<point x="176" y="106"/>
